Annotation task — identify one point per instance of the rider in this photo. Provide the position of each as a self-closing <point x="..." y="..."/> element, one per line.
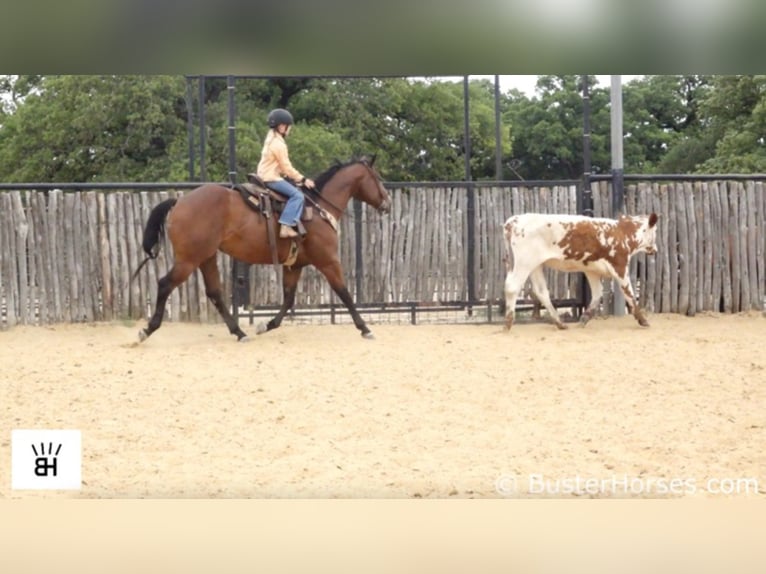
<point x="275" y="167"/>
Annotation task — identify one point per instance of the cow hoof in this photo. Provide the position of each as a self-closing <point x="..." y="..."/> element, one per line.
<point x="562" y="326"/>
<point x="261" y="328"/>
<point x="643" y="322"/>
<point x="368" y="335"/>
<point x="142" y="336"/>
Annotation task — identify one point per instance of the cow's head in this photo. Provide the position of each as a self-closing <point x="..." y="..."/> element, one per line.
<point x="647" y="234"/>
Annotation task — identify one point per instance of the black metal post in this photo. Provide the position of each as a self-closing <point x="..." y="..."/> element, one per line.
<point x="358" y="247"/>
<point x="202" y="131"/>
<point x="618" y="176"/>
<point x="470" y="201"/>
<point x="585" y="198"/>
<point x="498" y="136"/>
<point x="190" y="125"/>
<point x="584" y="194"/>
<point x="238" y="269"/>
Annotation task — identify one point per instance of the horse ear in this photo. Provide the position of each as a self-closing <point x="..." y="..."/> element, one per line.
<point x="372" y="159"/>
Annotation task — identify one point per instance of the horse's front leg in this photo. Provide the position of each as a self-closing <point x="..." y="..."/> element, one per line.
<point x="334" y="274"/>
<point x="290" y="279"/>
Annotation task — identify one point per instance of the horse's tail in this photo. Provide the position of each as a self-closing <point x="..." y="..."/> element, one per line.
<point x="507" y="236"/>
<point x="155" y="225"/>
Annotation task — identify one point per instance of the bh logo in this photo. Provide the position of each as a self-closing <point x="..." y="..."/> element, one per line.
<point x="43" y="464"/>
<point x="46" y="459"/>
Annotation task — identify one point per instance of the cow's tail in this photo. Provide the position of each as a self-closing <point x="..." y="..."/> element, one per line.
<point x="507" y="235"/>
<point x="155" y="225"/>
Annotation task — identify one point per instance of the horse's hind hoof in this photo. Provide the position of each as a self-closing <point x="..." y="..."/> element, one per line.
<point x="261" y="328"/>
<point x="244" y="339"/>
<point x="142" y="335"/>
<point x="368" y="335"/>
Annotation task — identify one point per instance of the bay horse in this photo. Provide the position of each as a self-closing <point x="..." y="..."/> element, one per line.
<point x="214" y="218"/>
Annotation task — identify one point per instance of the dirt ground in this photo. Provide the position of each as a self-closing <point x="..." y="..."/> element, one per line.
<point x="610" y="410"/>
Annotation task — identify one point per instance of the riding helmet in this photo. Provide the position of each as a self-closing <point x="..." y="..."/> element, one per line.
<point x="279" y="116"/>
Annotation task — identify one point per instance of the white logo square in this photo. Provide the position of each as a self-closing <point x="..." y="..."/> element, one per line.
<point x="43" y="459"/>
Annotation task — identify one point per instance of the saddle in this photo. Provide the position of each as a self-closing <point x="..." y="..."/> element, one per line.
<point x="267" y="202"/>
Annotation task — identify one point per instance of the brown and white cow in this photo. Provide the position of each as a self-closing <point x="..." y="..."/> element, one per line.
<point x="598" y="247"/>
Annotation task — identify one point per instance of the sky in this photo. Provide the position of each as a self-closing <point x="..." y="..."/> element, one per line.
<point x="526" y="84"/>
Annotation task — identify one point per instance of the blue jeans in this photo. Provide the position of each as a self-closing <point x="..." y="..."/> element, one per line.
<point x="291" y="214"/>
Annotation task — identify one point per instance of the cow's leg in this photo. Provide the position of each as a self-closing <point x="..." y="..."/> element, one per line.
<point x="630" y="301"/>
<point x="540" y="289"/>
<point x="596" y="291"/>
<point x="514" y="282"/>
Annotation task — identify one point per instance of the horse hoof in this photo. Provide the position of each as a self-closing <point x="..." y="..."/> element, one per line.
<point x="368" y="335"/>
<point x="244" y="339"/>
<point x="142" y="336"/>
<point x="261" y="328"/>
<point x="562" y="326"/>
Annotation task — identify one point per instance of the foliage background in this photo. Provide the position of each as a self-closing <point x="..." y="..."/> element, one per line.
<point x="88" y="128"/>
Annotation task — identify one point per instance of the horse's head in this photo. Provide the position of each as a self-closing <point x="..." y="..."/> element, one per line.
<point x="371" y="190"/>
<point x="357" y="178"/>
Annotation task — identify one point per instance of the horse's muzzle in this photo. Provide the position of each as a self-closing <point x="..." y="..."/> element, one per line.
<point x="385" y="207"/>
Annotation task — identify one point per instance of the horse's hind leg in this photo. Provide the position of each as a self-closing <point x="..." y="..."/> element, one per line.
<point x="178" y="274"/>
<point x="290" y="279"/>
<point x="214" y="292"/>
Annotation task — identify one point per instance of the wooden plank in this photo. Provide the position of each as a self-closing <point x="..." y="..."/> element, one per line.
<point x="734" y="259"/>
<point x="699" y="248"/>
<point x="706" y="249"/>
<point x="726" y="248"/>
<point x="131" y="255"/>
<point x="9" y="268"/>
<point x="682" y="228"/>
<point x="651" y="261"/>
<point x="124" y="267"/>
<point x="105" y="263"/>
<point x="718" y="243"/>
<point x="751" y="211"/>
<point x="744" y="271"/>
<point x="640" y="261"/>
<point x="760" y="243"/>
<point x="112" y="220"/>
<point x="91" y="269"/>
<point x="672" y="248"/>
<point x="70" y="277"/>
<point x="659" y="278"/>
<point x="21" y="228"/>
<point x="691" y="226"/>
<point x="664" y="237"/>
<point x="33" y="254"/>
<point x="36" y="203"/>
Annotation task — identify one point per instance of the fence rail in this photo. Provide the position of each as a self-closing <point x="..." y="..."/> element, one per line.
<point x="68" y="256"/>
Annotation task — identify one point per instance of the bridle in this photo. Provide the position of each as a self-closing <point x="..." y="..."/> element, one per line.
<point x="318" y="195"/>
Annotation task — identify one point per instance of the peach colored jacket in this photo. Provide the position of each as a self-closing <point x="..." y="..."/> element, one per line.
<point x="275" y="164"/>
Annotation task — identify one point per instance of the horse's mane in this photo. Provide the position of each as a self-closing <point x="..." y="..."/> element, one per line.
<point x="326" y="175"/>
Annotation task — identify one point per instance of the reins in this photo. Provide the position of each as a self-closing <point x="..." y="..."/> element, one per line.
<point x="320" y="196"/>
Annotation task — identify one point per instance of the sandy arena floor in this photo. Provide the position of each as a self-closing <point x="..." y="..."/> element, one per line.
<point x="611" y="410"/>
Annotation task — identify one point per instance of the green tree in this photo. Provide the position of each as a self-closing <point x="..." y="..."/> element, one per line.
<point x="95" y="128"/>
<point x="547" y="129"/>
<point x="734" y="113"/>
